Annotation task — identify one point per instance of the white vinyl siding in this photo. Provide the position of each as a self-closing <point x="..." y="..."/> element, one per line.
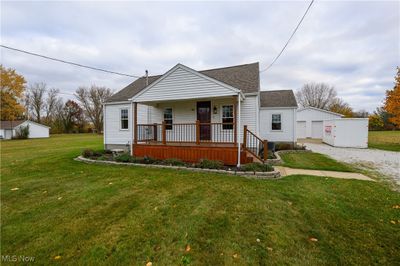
<point x="112" y="122"/>
<point x="288" y="120"/>
<point x="249" y="115"/>
<point x="181" y="83"/>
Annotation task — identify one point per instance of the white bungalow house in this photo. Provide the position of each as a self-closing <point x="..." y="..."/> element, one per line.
<point x="219" y="114"/>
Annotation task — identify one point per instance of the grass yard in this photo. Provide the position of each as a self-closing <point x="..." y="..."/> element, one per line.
<point x="384" y="140"/>
<point x="73" y="213"/>
<point x="312" y="160"/>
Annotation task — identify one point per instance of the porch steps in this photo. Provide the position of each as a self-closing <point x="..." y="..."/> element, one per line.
<point x="252" y="159"/>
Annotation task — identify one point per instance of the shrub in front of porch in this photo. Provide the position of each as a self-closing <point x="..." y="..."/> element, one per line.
<point x="210" y="164"/>
<point x="92" y="154"/>
<point x="257" y="167"/>
<point x="174" y="162"/>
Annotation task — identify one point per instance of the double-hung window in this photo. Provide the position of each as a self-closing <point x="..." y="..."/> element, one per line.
<point x="227" y="117"/>
<point x="276" y="122"/>
<point x="168" y="118"/>
<point x="124" y="119"/>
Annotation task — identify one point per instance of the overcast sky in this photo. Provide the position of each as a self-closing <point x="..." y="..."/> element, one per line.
<point x="353" y="46"/>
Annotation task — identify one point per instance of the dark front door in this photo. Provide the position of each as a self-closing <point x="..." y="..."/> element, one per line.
<point x="204" y="116"/>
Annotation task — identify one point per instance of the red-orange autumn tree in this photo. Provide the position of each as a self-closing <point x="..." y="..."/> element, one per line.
<point x="392" y="101"/>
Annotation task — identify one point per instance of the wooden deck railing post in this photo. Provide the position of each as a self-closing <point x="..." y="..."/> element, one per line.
<point x="197" y="132"/>
<point x="155" y="132"/>
<point x="265" y="149"/>
<point x="245" y="136"/>
<point x="164" y="133"/>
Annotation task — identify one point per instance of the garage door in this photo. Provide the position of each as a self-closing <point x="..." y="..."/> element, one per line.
<point x="301" y="129"/>
<point x="316" y="129"/>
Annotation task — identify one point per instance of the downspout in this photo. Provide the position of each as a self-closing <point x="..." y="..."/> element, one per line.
<point x="104" y="126"/>
<point x="238" y="130"/>
<point x="294" y="126"/>
<point x="132" y="129"/>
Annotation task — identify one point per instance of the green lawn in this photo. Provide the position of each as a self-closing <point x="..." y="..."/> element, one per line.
<point x="384" y="140"/>
<point x="107" y="215"/>
<point x="311" y="160"/>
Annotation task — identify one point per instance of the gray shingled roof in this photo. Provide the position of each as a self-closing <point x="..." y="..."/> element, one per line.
<point x="10" y="124"/>
<point x="244" y="77"/>
<point x="281" y="98"/>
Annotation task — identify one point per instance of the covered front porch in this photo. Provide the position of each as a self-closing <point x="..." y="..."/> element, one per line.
<point x="215" y="133"/>
<point x="190" y="130"/>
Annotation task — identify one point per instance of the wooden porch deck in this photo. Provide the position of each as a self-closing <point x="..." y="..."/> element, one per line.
<point x="188" y="142"/>
<point x="190" y="152"/>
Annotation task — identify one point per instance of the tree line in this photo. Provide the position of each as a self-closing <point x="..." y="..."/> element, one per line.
<point x="324" y="96"/>
<point x="37" y="102"/>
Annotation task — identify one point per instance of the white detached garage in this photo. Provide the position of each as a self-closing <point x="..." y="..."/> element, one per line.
<point x="310" y="122"/>
<point x="8" y="129"/>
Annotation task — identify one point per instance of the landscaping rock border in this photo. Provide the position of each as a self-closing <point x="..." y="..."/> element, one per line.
<point x="253" y="175"/>
<point x="278" y="159"/>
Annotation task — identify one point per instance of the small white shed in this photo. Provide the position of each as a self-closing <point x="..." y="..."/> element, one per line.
<point x="346" y="132"/>
<point x="310" y="122"/>
<point x="8" y="129"/>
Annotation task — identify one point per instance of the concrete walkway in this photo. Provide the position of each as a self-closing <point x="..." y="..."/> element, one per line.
<point x="345" y="175"/>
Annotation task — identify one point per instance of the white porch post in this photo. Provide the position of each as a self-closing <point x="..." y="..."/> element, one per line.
<point x="238" y="126"/>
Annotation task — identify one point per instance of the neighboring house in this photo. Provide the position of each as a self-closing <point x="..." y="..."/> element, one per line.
<point x="219" y="114"/>
<point x="310" y="122"/>
<point x="8" y="129"/>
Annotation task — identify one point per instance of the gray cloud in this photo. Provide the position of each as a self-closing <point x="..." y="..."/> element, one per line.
<point x="354" y="46"/>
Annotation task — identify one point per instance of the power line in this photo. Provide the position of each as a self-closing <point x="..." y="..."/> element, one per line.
<point x="291" y="36"/>
<point x="68" y="62"/>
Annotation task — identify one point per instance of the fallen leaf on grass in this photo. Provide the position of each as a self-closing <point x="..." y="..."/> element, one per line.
<point x="57" y="257"/>
<point x="313" y="239"/>
<point x="59" y="198"/>
<point x="393" y="222"/>
<point x="110" y="183"/>
<point x="15" y="188"/>
<point x="44" y="192"/>
<point x="235" y="256"/>
<point x="187" y="248"/>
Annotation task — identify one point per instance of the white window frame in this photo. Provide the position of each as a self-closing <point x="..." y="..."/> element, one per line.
<point x="277" y="130"/>
<point x="172" y="117"/>
<point x="120" y="119"/>
<point x="222" y="115"/>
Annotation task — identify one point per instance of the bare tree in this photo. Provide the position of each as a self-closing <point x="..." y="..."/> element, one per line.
<point x="36" y="99"/>
<point x="92" y="100"/>
<point x="319" y="95"/>
<point x="50" y="106"/>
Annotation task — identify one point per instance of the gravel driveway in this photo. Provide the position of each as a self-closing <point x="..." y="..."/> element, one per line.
<point x="386" y="162"/>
